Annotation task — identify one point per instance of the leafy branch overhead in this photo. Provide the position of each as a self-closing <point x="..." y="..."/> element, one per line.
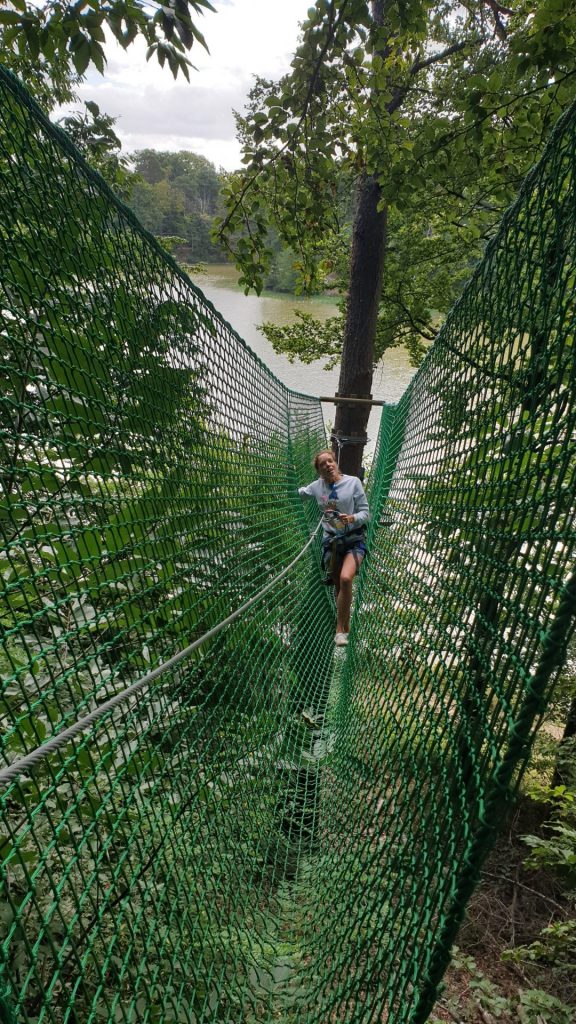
<point x="93" y="133"/>
<point x="442" y="105"/>
<point x="73" y="34"/>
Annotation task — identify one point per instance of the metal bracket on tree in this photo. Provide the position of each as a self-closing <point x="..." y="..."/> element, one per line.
<point x="351" y="400"/>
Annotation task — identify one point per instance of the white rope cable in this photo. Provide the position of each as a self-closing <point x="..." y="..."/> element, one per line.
<point x="10" y="772"/>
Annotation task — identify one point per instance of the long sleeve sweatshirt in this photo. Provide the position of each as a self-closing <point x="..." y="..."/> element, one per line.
<point x="345" y="495"/>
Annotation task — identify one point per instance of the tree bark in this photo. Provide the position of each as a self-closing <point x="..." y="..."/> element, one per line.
<point x="365" y="286"/>
<point x="357" y="368"/>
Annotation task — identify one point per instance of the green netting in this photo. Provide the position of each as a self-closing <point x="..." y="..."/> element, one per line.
<point x="269" y="830"/>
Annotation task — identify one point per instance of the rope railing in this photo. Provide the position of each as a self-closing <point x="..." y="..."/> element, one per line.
<point x="274" y="830"/>
<point x="61" y="739"/>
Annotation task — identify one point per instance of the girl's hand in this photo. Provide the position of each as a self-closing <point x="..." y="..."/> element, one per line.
<point x="346" y="519"/>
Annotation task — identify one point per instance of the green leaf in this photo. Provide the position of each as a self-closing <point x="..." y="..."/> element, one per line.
<point x="11" y="852"/>
<point x="81" y="56"/>
<point x="10" y="18"/>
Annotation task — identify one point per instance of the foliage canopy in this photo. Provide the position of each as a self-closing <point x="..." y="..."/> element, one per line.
<point x="178" y="194"/>
<point x="72" y="35"/>
<point x="443" y="104"/>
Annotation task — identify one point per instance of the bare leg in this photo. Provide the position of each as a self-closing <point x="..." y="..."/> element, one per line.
<point x="344" y="593"/>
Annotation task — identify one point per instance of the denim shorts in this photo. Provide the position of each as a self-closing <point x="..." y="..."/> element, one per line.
<point x="353" y="544"/>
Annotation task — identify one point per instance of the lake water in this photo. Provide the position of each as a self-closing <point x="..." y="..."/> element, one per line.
<point x="245" y="312"/>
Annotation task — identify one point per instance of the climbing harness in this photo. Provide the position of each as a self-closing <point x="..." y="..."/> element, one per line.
<point x="335" y="549"/>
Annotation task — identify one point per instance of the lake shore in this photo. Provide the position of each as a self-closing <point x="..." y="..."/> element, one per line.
<point x="245" y="312"/>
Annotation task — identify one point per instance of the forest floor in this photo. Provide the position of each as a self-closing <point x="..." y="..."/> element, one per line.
<point x="509" y="909"/>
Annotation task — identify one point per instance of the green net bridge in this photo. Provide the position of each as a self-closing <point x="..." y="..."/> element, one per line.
<point x="209" y="813"/>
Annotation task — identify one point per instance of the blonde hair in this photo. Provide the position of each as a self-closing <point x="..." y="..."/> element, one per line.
<point x="325" y="451"/>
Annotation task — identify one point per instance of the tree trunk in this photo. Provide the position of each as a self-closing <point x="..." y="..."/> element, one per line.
<point x="365" y="286"/>
<point x="366" y="269"/>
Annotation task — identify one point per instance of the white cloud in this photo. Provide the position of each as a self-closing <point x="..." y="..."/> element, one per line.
<point x="245" y="37"/>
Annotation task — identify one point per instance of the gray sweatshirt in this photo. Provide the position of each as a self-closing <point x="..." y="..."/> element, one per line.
<point x="345" y="495"/>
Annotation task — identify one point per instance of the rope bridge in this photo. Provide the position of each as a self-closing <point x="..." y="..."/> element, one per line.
<point x="235" y="823"/>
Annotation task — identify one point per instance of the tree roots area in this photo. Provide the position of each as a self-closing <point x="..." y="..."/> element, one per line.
<point x="515" y="958"/>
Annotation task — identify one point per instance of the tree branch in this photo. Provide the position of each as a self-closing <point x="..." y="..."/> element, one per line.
<point x="401" y="91"/>
<point x="435" y="58"/>
<point x="447" y="139"/>
<point x="318" y="64"/>
<point x="418" y="326"/>
<point x="497" y="9"/>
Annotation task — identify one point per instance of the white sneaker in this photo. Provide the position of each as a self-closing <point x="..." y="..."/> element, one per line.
<point x="341" y="639"/>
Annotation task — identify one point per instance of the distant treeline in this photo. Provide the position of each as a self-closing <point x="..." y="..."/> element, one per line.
<point x="177" y="195"/>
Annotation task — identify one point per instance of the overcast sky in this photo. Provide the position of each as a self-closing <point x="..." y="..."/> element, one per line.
<point x="245" y="37"/>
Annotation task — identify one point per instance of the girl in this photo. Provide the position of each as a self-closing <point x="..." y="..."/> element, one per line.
<point x="345" y="514"/>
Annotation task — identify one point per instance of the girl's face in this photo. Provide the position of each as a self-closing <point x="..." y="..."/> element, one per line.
<point x="328" y="467"/>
